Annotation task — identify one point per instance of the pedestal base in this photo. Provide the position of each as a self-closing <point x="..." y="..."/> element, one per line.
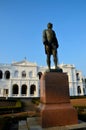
<point x="56" y="109"/>
<point x="58" y="115"/>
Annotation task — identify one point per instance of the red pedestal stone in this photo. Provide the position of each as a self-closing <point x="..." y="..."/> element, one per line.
<point x="56" y="109"/>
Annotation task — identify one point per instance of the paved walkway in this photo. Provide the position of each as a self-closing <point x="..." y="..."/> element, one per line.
<point x="23" y="125"/>
<point x="34" y="124"/>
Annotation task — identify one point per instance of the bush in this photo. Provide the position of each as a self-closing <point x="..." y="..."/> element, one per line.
<point x="18" y="104"/>
<point x="36" y="101"/>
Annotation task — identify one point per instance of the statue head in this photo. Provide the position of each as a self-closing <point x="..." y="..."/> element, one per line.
<point x="49" y="25"/>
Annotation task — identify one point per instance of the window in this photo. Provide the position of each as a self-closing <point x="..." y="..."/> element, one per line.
<point x="32" y="89"/>
<point x="79" y="90"/>
<point x="5" y="91"/>
<point x="15" y="89"/>
<point x="77" y="76"/>
<point x="85" y="80"/>
<point x="16" y="73"/>
<point x="84" y="90"/>
<point x="39" y="74"/>
<point x="30" y="74"/>
<point x="1" y="74"/>
<point x="23" y="74"/>
<point x="24" y="89"/>
<point x="7" y="74"/>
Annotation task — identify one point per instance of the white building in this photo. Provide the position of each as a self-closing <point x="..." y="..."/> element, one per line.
<point x="20" y="79"/>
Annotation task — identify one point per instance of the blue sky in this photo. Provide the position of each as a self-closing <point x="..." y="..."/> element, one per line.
<point x="23" y="21"/>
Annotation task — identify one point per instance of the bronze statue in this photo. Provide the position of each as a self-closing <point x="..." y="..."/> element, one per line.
<point x="51" y="44"/>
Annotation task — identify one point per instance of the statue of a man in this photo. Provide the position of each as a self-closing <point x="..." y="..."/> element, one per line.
<point x="51" y="44"/>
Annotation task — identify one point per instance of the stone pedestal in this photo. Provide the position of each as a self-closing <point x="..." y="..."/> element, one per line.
<point x="56" y="109"/>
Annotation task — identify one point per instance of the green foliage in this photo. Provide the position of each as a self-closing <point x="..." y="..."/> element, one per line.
<point x="80" y="107"/>
<point x="18" y="104"/>
<point x="81" y="110"/>
<point x="36" y="101"/>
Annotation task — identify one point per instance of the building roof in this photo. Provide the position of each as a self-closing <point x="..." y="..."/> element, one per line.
<point x="24" y="63"/>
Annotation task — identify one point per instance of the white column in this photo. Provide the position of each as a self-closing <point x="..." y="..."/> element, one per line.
<point x="10" y="89"/>
<point x="19" y="92"/>
<point x="28" y="89"/>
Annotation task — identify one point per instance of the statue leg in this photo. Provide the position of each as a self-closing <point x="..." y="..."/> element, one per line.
<point x="55" y="58"/>
<point x="48" y="61"/>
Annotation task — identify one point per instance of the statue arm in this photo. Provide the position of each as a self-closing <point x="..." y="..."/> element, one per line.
<point x="55" y="40"/>
<point x="44" y="37"/>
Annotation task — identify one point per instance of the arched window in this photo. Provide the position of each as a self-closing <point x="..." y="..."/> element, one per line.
<point x="32" y="89"/>
<point x="79" y="90"/>
<point x="16" y="73"/>
<point x="84" y="90"/>
<point x="39" y="74"/>
<point x="24" y="89"/>
<point x="7" y="74"/>
<point x="1" y="74"/>
<point x="15" y="89"/>
<point x="23" y="74"/>
<point x="77" y="76"/>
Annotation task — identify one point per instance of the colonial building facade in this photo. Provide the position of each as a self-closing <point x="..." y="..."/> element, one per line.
<point x="21" y="80"/>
